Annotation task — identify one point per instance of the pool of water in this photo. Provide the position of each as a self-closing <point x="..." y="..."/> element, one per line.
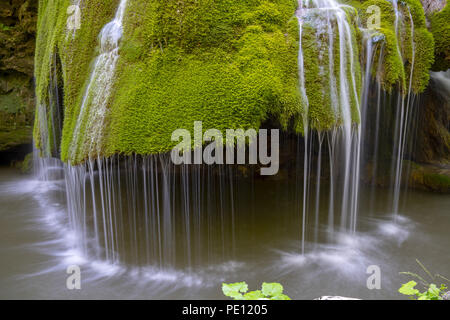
<point x="36" y="247"/>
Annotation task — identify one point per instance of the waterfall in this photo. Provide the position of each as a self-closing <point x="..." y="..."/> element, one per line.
<point x="123" y="209"/>
<point x="442" y="80"/>
<point x="347" y="141"/>
<point x="95" y="99"/>
<point x="146" y="211"/>
<point x="333" y="23"/>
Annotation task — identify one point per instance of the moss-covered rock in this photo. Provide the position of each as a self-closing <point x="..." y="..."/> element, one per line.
<point x="440" y="27"/>
<point x="26" y="165"/>
<point x="398" y="58"/>
<point x="229" y="64"/>
<point x="430" y="178"/>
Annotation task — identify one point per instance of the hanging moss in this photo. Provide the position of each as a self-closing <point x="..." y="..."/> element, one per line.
<point x="398" y="53"/>
<point x="229" y="64"/>
<point x="316" y="80"/>
<point x="393" y="72"/>
<point x="424" y="59"/>
<point x="423" y="46"/>
<point x="440" y="27"/>
<point x="354" y="68"/>
<point x="77" y="50"/>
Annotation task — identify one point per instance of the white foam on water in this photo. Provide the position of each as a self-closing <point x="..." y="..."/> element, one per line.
<point x="351" y="253"/>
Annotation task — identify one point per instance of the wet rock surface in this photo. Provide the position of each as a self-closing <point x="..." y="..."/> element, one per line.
<point x="431" y="6"/>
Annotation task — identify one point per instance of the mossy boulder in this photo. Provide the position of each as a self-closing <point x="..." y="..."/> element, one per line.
<point x="431" y="178"/>
<point x="407" y="46"/>
<point x="230" y="64"/>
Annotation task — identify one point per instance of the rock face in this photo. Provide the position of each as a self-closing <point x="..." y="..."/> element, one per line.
<point x="431" y="170"/>
<point x="17" y="43"/>
<point x="431" y="6"/>
<point x="433" y="144"/>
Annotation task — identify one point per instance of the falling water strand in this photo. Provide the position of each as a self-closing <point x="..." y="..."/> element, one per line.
<point x="305" y="120"/>
<point x="330" y="21"/>
<point x="320" y="137"/>
<point x="404" y="109"/>
<point x="96" y="96"/>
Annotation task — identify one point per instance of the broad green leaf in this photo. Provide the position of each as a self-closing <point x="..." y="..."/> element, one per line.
<point x="408" y="288"/>
<point x="272" y="289"/>
<point x="254" y="295"/>
<point x="234" y="290"/>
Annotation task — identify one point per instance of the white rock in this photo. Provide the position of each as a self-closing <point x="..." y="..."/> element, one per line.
<point x="335" y="298"/>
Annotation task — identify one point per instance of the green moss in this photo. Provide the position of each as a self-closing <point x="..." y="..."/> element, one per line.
<point x="393" y="72"/>
<point x="354" y="69"/>
<point x="440" y="28"/>
<point x="424" y="44"/>
<point x="16" y="111"/>
<point x="417" y="12"/>
<point x="229" y="64"/>
<point x="11" y="103"/>
<point x="437" y="182"/>
<point x="322" y="80"/>
<point x="12" y="137"/>
<point x="76" y="53"/>
<point x="315" y="56"/>
<point x="231" y="79"/>
<point x="26" y="166"/>
<point x="398" y="49"/>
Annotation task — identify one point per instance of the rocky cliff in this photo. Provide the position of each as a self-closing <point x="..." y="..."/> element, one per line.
<point x="17" y="43"/>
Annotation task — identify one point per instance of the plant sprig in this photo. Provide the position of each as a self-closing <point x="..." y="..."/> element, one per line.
<point x="432" y="292"/>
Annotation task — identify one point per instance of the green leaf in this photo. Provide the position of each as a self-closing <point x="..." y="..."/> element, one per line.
<point x="434" y="291"/>
<point x="235" y="290"/>
<point x="272" y="289"/>
<point x="408" y="288"/>
<point x="254" y="295"/>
